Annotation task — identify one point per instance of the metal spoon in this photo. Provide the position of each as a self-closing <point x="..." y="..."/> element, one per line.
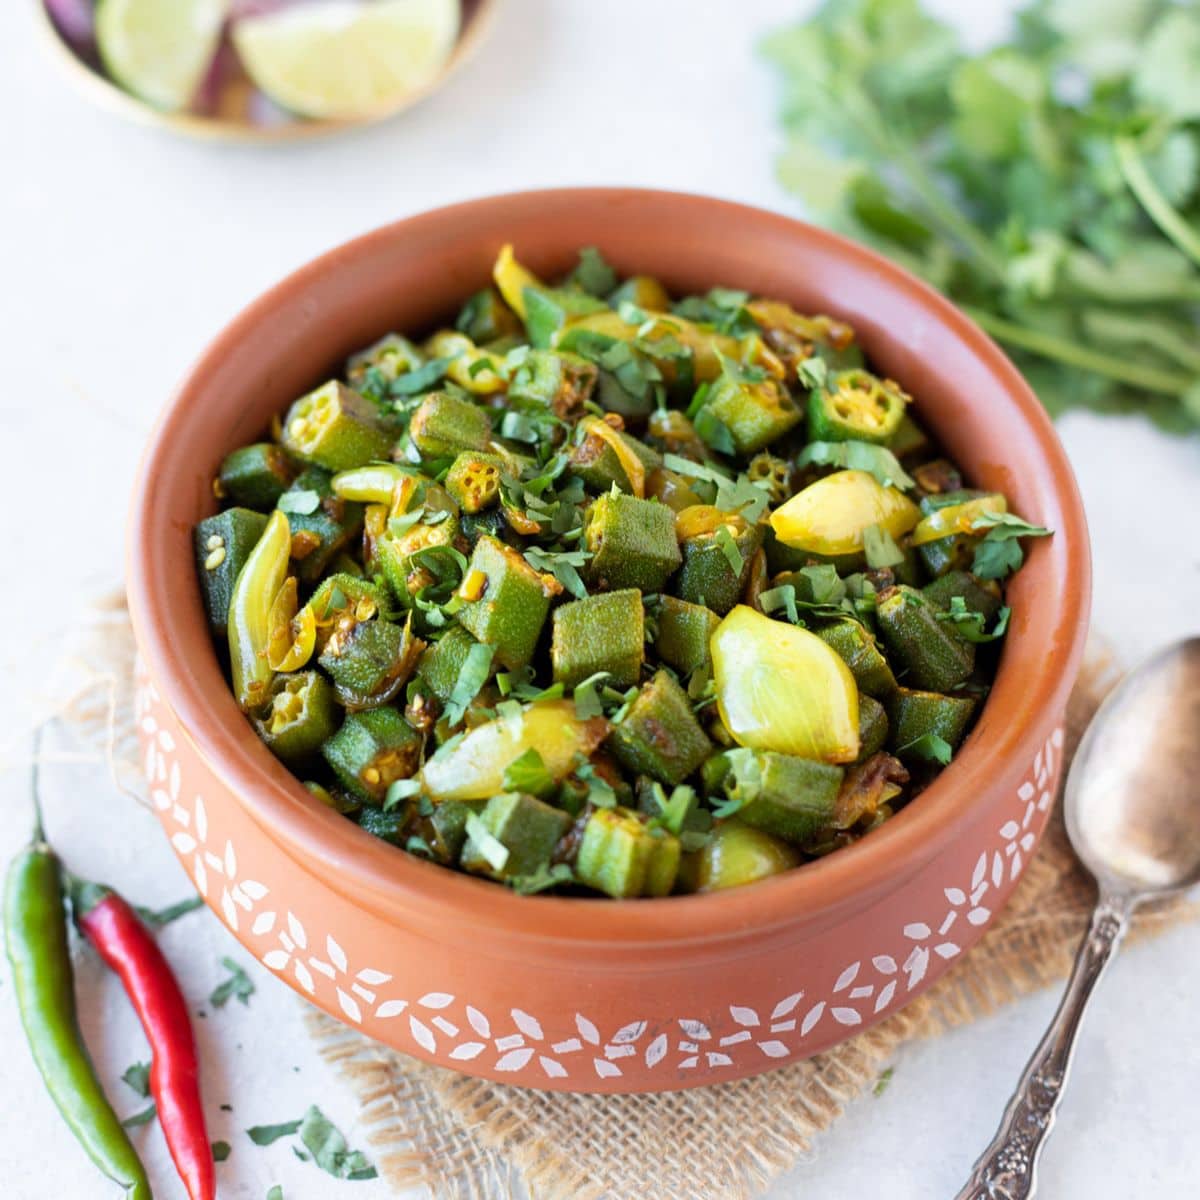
<point x="1132" y="807"/>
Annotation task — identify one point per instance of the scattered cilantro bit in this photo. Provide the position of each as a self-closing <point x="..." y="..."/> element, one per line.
<point x="527" y="773"/>
<point x="881" y="1084"/>
<point x="562" y="564"/>
<point x="999" y="553"/>
<point x="301" y="501"/>
<point x="221" y="1151"/>
<point x="930" y="747"/>
<point x="275" y="1193"/>
<point x="520" y="427"/>
<point x="600" y="791"/>
<point x="141" y="1118"/>
<point x="401" y="789"/>
<point x="858" y="456"/>
<point x="494" y="851"/>
<point x="970" y="624"/>
<point x="238" y="986"/>
<point x="138" y="1077"/>
<point x="734" y="495"/>
<point x="593" y="273"/>
<point x="328" y="1148"/>
<point x="264" y="1135"/>
<point x="714" y="432"/>
<point x="160" y="917"/>
<point x="587" y="698"/>
<point x="812" y="372"/>
<point x="544" y="878"/>
<point x="421" y="379"/>
<point x="880" y="549"/>
<point x="400" y="525"/>
<point x="733" y="556"/>
<point x="723" y="308"/>
<point x="472" y="677"/>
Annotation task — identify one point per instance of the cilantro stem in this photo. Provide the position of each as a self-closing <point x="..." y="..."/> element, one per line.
<point x="1158" y="208"/>
<point x="1152" y="379"/>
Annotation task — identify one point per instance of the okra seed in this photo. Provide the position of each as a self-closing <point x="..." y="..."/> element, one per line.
<point x="371" y="775"/>
<point x="215" y="558"/>
<point x="215" y="541"/>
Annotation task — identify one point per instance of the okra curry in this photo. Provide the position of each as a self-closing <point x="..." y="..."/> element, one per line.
<point x="603" y="591"/>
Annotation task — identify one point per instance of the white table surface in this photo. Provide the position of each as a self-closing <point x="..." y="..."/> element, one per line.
<point x="124" y="250"/>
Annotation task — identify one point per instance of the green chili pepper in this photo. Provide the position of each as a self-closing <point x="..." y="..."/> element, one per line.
<point x="35" y="929"/>
<point x="257" y="585"/>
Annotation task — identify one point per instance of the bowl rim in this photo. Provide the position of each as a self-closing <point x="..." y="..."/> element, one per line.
<point x="408" y="889"/>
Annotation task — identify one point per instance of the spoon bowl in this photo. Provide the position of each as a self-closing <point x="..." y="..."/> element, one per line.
<point x="1132" y="800"/>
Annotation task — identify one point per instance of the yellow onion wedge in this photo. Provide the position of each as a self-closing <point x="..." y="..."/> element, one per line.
<point x="957" y="518"/>
<point x="293" y="630"/>
<point x="829" y="517"/>
<point x="737" y="854"/>
<point x="782" y="688"/>
<point x="473" y="768"/>
<point x="512" y="278"/>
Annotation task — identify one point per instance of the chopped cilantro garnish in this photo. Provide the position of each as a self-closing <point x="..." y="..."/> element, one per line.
<point x="858" y="456"/>
<point x="494" y="851"/>
<point x="929" y="747"/>
<point x="880" y="549"/>
<point x="301" y="501"/>
<point x="472" y="677"/>
<point x="237" y="986"/>
<point x="527" y="773"/>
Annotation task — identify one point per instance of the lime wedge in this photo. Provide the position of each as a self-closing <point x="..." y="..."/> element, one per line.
<point x="340" y="59"/>
<point x="159" y="49"/>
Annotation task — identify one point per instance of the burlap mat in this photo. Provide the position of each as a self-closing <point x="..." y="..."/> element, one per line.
<point x="462" y="1137"/>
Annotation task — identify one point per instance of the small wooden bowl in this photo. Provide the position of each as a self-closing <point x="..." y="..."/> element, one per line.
<point x="234" y="121"/>
<point x="561" y="992"/>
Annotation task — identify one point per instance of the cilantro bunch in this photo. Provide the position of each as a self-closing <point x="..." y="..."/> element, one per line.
<point x="1050" y="186"/>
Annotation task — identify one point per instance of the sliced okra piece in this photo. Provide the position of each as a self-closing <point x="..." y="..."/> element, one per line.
<point x="860" y="652"/>
<point x="392" y="356"/>
<point x="442" y="662"/>
<point x="552" y="381"/>
<point x="444" y="424"/>
<point x="670" y="431"/>
<point x="979" y="595"/>
<point x="370" y="661"/>
<point x="335" y="428"/>
<point x="914" y="714"/>
<point x="620" y="855"/>
<point x="485" y="317"/>
<point x="474" y="480"/>
<point x="789" y="797"/>
<point x="855" y="406"/>
<point x="756" y="413"/>
<point x="300" y="716"/>
<point x="872" y="727"/>
<point x="952" y="513"/>
<point x="632" y="543"/>
<point x="256" y="476"/>
<point x="372" y="750"/>
<point x="491" y="522"/>
<point x="604" y="632"/>
<point x="660" y="735"/>
<point x="602" y="459"/>
<point x="684" y="632"/>
<point x="389" y="826"/>
<point x="713" y="773"/>
<point x="332" y="797"/>
<point x="526" y="827"/>
<point x="717" y="548"/>
<point x="344" y="599"/>
<point x="932" y="656"/>
<point x="323" y="524"/>
<point x="505" y="601"/>
<point x="222" y="544"/>
<point x="392" y="552"/>
<point x="448" y="828"/>
<point x="250" y="605"/>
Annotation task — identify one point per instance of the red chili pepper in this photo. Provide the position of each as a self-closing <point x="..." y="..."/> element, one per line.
<point x="128" y="948"/>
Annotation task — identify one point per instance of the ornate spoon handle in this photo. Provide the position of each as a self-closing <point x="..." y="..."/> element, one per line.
<point x="1007" y="1169"/>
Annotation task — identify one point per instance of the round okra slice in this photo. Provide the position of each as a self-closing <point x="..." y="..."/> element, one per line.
<point x="335" y="428"/>
<point x="856" y="406"/>
<point x="632" y="543"/>
<point x="603" y="460"/>
<point x="372" y="750"/>
<point x="391" y="356"/>
<point x="256" y="476"/>
<point x="300" y="716"/>
<point x="474" y="480"/>
<point x="506" y="601"/>
<point x="604" y="632"/>
<point x="392" y="553"/>
<point x="441" y="664"/>
<point x="660" y="735"/>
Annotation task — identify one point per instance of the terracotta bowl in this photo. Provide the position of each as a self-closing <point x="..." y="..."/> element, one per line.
<point x="599" y="995"/>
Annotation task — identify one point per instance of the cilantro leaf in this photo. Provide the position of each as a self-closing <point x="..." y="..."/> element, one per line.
<point x="264" y="1135"/>
<point x="474" y="674"/>
<point x="221" y="1151"/>
<point x="999" y="553"/>
<point x="970" y="624"/>
<point x="544" y="878"/>
<point x="878" y="461"/>
<point x="593" y="273"/>
<point x="422" y="379"/>
<point x="137" y="1077"/>
<point x="329" y="1150"/>
<point x="237" y="986"/>
<point x="930" y="747"/>
<point x="528" y="773"/>
<point x="301" y="501"/>
<point x="493" y="850"/>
